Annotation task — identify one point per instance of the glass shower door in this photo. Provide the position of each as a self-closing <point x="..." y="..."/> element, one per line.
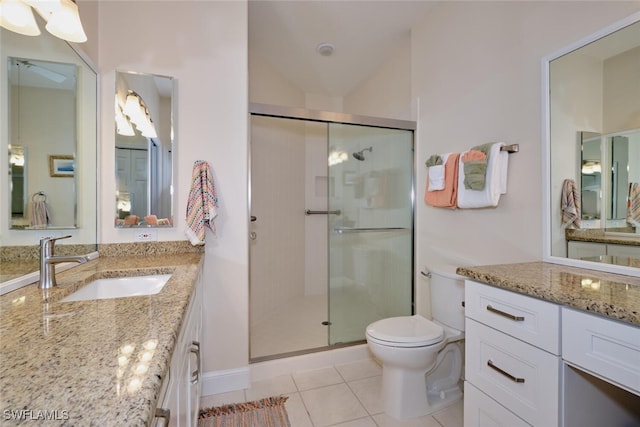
<point x="371" y="239"/>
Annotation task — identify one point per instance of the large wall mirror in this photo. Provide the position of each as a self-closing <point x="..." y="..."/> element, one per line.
<point x="144" y="150"/>
<point x="48" y="131"/>
<point x="42" y="148"/>
<point x="593" y="129"/>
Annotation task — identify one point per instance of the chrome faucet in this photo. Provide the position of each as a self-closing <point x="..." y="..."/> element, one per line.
<point x="47" y="261"/>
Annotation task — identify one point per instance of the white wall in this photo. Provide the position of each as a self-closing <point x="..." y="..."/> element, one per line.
<point x="621" y="106"/>
<point x="203" y="45"/>
<point x="387" y="92"/>
<point x="476" y="73"/>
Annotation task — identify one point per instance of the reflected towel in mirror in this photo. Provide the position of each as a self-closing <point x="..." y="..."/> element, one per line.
<point x="570" y="204"/>
<point x="40" y="216"/>
<point x="633" y="205"/>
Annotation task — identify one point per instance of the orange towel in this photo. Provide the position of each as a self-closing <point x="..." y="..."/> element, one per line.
<point x="448" y="196"/>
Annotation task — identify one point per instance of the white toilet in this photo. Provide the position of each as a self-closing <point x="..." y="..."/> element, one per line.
<point x="422" y="359"/>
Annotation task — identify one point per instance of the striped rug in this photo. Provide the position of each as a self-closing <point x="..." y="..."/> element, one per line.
<point x="267" y="412"/>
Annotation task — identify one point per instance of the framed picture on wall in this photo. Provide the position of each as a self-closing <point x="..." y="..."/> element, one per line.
<point x="61" y="165"/>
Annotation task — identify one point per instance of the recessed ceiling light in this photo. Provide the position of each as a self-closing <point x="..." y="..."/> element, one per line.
<point x="325" y="49"/>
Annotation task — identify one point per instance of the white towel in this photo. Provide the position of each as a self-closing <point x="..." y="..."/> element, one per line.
<point x="495" y="181"/>
<point x="436" y="174"/>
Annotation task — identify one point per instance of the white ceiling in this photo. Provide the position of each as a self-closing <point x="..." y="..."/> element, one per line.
<point x="365" y="34"/>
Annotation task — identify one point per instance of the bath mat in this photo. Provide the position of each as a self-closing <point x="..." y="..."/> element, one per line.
<point x="267" y="412"/>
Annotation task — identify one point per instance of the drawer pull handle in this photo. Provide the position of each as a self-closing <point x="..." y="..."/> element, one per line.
<point x="505" y="373"/>
<point x="505" y="314"/>
<point x="195" y="349"/>
<point x="163" y="413"/>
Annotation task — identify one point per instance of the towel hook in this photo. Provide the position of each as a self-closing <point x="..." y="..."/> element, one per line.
<point x="39" y="194"/>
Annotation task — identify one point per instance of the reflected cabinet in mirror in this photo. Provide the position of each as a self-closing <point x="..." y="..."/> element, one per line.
<point x="48" y="131"/>
<point x="144" y="150"/>
<point x="593" y="210"/>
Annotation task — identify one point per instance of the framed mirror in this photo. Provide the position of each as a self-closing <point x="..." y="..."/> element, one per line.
<point x="592" y="98"/>
<point x="144" y="150"/>
<point x="48" y="131"/>
<point x="42" y="121"/>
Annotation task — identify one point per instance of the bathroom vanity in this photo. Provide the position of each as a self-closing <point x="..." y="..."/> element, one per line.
<point x="115" y="361"/>
<point x="551" y="345"/>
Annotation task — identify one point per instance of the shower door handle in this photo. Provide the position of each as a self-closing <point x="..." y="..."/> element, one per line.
<point x="368" y="229"/>
<point x="310" y="212"/>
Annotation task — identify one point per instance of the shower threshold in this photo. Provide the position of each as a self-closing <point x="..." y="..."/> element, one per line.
<point x="305" y="351"/>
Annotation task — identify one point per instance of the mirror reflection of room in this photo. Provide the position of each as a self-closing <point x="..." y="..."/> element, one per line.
<point x="42" y="118"/>
<point x="595" y="100"/>
<point x="144" y="150"/>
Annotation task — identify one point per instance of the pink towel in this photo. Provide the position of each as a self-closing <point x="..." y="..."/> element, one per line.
<point x="570" y="204"/>
<point x="202" y="203"/>
<point x="448" y="196"/>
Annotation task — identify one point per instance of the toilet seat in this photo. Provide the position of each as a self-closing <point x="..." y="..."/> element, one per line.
<point x="405" y="331"/>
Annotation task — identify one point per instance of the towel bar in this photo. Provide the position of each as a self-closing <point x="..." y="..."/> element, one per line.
<point x="513" y="148"/>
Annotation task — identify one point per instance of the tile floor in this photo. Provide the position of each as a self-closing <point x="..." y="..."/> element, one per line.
<point x="342" y="396"/>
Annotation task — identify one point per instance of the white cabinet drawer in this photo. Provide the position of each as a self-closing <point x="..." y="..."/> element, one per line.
<point x="623" y="250"/>
<point x="606" y="348"/>
<point x="521" y="377"/>
<point x="529" y="319"/>
<point x="482" y="411"/>
<point x="578" y="250"/>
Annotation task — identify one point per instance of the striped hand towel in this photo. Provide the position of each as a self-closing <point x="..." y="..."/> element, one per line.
<point x="570" y="204"/>
<point x="202" y="203"/>
<point x="633" y="204"/>
<point x="40" y="216"/>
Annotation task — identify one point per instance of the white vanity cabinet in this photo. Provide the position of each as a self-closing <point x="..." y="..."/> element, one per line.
<point x="512" y="359"/>
<point x="181" y="388"/>
<point x="579" y="250"/>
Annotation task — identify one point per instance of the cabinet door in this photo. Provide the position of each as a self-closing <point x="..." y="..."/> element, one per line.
<point x="482" y="411"/>
<point x="195" y="359"/>
<point x="578" y="250"/>
<point x="609" y="349"/>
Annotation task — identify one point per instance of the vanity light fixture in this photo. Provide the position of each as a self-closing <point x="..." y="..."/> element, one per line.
<point x="123" y="125"/>
<point x="137" y="113"/>
<point x="61" y="17"/>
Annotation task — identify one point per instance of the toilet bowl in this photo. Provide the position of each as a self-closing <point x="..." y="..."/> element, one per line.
<point x="421" y="358"/>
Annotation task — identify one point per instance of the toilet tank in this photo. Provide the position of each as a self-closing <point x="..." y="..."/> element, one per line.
<point x="447" y="295"/>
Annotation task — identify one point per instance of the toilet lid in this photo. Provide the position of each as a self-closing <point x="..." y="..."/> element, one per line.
<point x="414" y="330"/>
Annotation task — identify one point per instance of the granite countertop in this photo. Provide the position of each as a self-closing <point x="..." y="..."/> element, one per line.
<point x="612" y="295"/>
<point x="597" y="235"/>
<point x="98" y="362"/>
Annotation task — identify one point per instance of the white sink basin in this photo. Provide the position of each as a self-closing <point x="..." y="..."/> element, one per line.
<point x="119" y="287"/>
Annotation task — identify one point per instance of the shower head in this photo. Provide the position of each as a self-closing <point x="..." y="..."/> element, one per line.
<point x="359" y="155"/>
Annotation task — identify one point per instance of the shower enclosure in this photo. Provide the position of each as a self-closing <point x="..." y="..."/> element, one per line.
<point x="331" y="247"/>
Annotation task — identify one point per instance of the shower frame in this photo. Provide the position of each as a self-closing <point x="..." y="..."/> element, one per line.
<point x="303" y="114"/>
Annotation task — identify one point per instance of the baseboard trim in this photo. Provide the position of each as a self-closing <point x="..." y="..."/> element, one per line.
<point x="226" y="380"/>
<point x="288" y="365"/>
<point x="241" y="378"/>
